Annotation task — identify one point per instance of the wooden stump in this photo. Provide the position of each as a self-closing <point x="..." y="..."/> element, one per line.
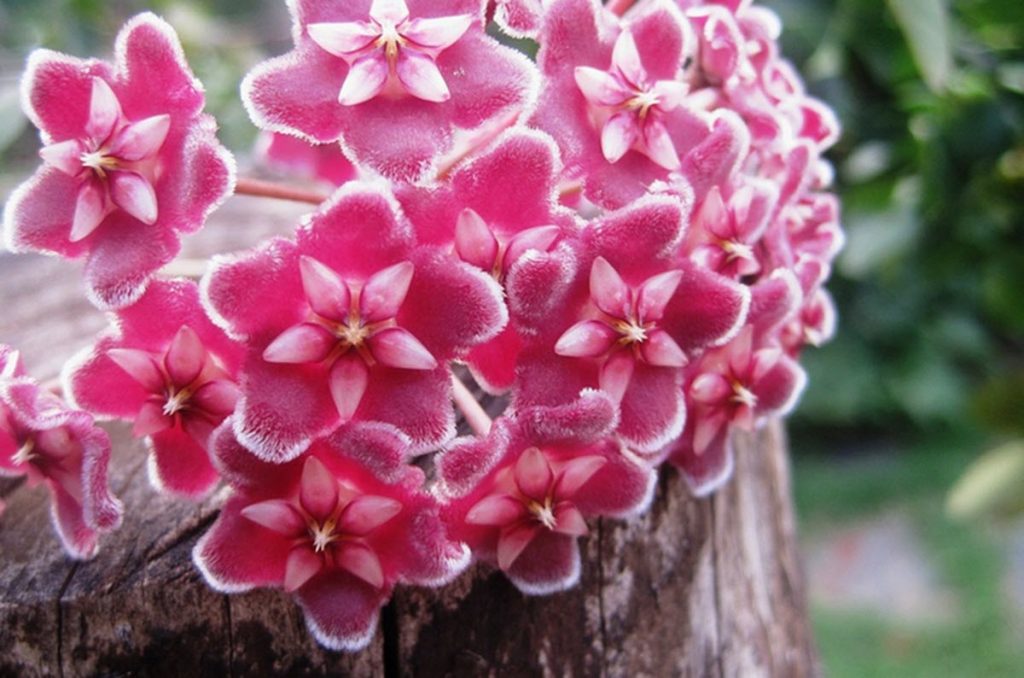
<point x="693" y="587"/>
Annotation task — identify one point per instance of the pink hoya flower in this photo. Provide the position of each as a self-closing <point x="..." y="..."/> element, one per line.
<point x="518" y="18"/>
<point x="628" y="320"/>
<point x="393" y="80"/>
<point x="291" y="155"/>
<point x="520" y="497"/>
<point x="164" y="366"/>
<point x="491" y="212"/>
<point x="337" y="528"/>
<point x="613" y="99"/>
<point x="44" y="440"/>
<point x="129" y="163"/>
<point x="352" y="321"/>
<point x="723" y="235"/>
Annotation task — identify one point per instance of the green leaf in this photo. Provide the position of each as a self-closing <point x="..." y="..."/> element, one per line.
<point x="925" y="24"/>
<point x="993" y="486"/>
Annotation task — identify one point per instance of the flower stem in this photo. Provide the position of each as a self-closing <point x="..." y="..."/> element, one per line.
<point x="619" y="7"/>
<point x="269" y="189"/>
<point x="475" y="415"/>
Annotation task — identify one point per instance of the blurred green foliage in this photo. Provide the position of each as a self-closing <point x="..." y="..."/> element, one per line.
<point x="931" y="170"/>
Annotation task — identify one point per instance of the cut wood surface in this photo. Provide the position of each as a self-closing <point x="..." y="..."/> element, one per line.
<point x="710" y="587"/>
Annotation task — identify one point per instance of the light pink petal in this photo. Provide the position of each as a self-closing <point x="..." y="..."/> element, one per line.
<point x="305" y="343"/>
<point x="437" y="33"/>
<point x="384" y="292"/>
<point x="181" y="464"/>
<point x="151" y="419"/>
<point x="185" y="357"/>
<point x="616" y="374"/>
<point x="198" y="427"/>
<point x="618" y="135"/>
<point x="361" y="561"/>
<point x="655" y="293"/>
<point x="670" y="93"/>
<point x="576" y="473"/>
<point x="65" y="156"/>
<point x="142" y="139"/>
<point x="218" y="397"/>
<point x="154" y="74"/>
<point x="474" y="241"/>
<point x="659" y="145"/>
<point x="779" y="388"/>
<point x="348" y="379"/>
<point x="600" y="87"/>
<point x="90" y="210"/>
<point x="365" y="80"/>
<point x="134" y="194"/>
<point x="318" y="490"/>
<point x="569" y="520"/>
<point x="78" y="539"/>
<point x="278" y="515"/>
<point x="302" y="565"/>
<point x="366" y="513"/>
<point x="140" y="366"/>
<point x="343" y="38"/>
<point x="533" y="473"/>
<point x="393" y="11"/>
<point x="608" y="290"/>
<point x="104" y="111"/>
<point x="421" y="76"/>
<point x="586" y="339"/>
<point x="396" y="347"/>
<point x="710" y="388"/>
<point x="326" y="292"/>
<point x="708" y="428"/>
<point x="539" y="238"/>
<point x="626" y="59"/>
<point x="513" y="541"/>
<point x="661" y="351"/>
<point x="496" y="510"/>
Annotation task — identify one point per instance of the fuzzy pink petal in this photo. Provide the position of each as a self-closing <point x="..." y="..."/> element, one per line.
<point x="141" y="139"/>
<point x="301" y="566"/>
<point x="586" y="339"/>
<point x="365" y="80"/>
<point x="550" y="562"/>
<point x="58" y="91"/>
<point x="341" y="609"/>
<point x="90" y="210"/>
<point x="493" y="363"/>
<point x="123" y="261"/>
<point x="539" y="238"/>
<point x="416" y="401"/>
<point x="576" y="473"/>
<point x="707" y="471"/>
<point x="318" y="490"/>
<point x="513" y="541"/>
<point x="237" y="554"/>
<point x="653" y="408"/>
<point x="622" y="487"/>
<point x="181" y="465"/>
<point x="154" y="70"/>
<point x="780" y="387"/>
<point x="78" y="539"/>
<point x="706" y="309"/>
<point x="305" y="343"/>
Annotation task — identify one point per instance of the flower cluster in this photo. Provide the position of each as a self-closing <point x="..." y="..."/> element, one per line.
<point x="626" y="240"/>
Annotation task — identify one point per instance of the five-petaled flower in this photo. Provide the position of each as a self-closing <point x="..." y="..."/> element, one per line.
<point x="130" y="161"/>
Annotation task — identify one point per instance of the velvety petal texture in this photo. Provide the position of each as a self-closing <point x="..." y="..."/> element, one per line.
<point x="130" y="161"/>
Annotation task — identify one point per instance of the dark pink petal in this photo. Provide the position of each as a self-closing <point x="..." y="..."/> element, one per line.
<point x="533" y="474"/>
<point x="716" y="157"/>
<point x="549" y="563"/>
<point x="180" y="464"/>
<point x="154" y="70"/>
<point x="278" y="515"/>
<point x="342" y="38"/>
<point x="341" y="609"/>
<point x="384" y="292"/>
<point x="366" y="513"/>
<point x="318" y="491"/>
<point x="58" y="92"/>
<point x="631" y="237"/>
<point x="569" y="521"/>
<point x="365" y="80"/>
<point x="349" y="377"/>
<point x="621" y="488"/>
<point x="591" y="416"/>
<point x="496" y="510"/>
<point x="123" y="261"/>
<point x="142" y="139"/>
<point x="659" y="40"/>
<point x="185" y="357"/>
<point x="302" y="565"/>
<point x="653" y="408"/>
<point x="78" y="539"/>
<point x="199" y="427"/>
<point x="493" y="363"/>
<point x="225" y="555"/>
<point x="586" y="339"/>
<point x="513" y="541"/>
<point x="576" y="473"/>
<point x="780" y="388"/>
<point x="90" y="210"/>
<point x="361" y="561"/>
<point x="305" y="343"/>
<point x="416" y="401"/>
<point x="706" y="309"/>
<point x="151" y="419"/>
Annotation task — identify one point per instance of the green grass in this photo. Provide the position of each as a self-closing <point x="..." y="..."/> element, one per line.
<point x="979" y="640"/>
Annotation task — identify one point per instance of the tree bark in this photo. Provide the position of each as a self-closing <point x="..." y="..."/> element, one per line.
<point x="710" y="587"/>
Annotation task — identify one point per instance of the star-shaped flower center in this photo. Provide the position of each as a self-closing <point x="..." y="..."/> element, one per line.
<point x="391" y="48"/>
<point x="620" y="326"/>
<point x="114" y="160"/>
<point x="25" y="453"/>
<point x="350" y="328"/>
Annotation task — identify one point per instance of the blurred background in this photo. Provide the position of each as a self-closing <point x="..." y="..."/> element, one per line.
<point x="907" y="454"/>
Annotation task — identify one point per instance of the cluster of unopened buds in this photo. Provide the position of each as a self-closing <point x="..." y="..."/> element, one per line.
<point x="626" y="237"/>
